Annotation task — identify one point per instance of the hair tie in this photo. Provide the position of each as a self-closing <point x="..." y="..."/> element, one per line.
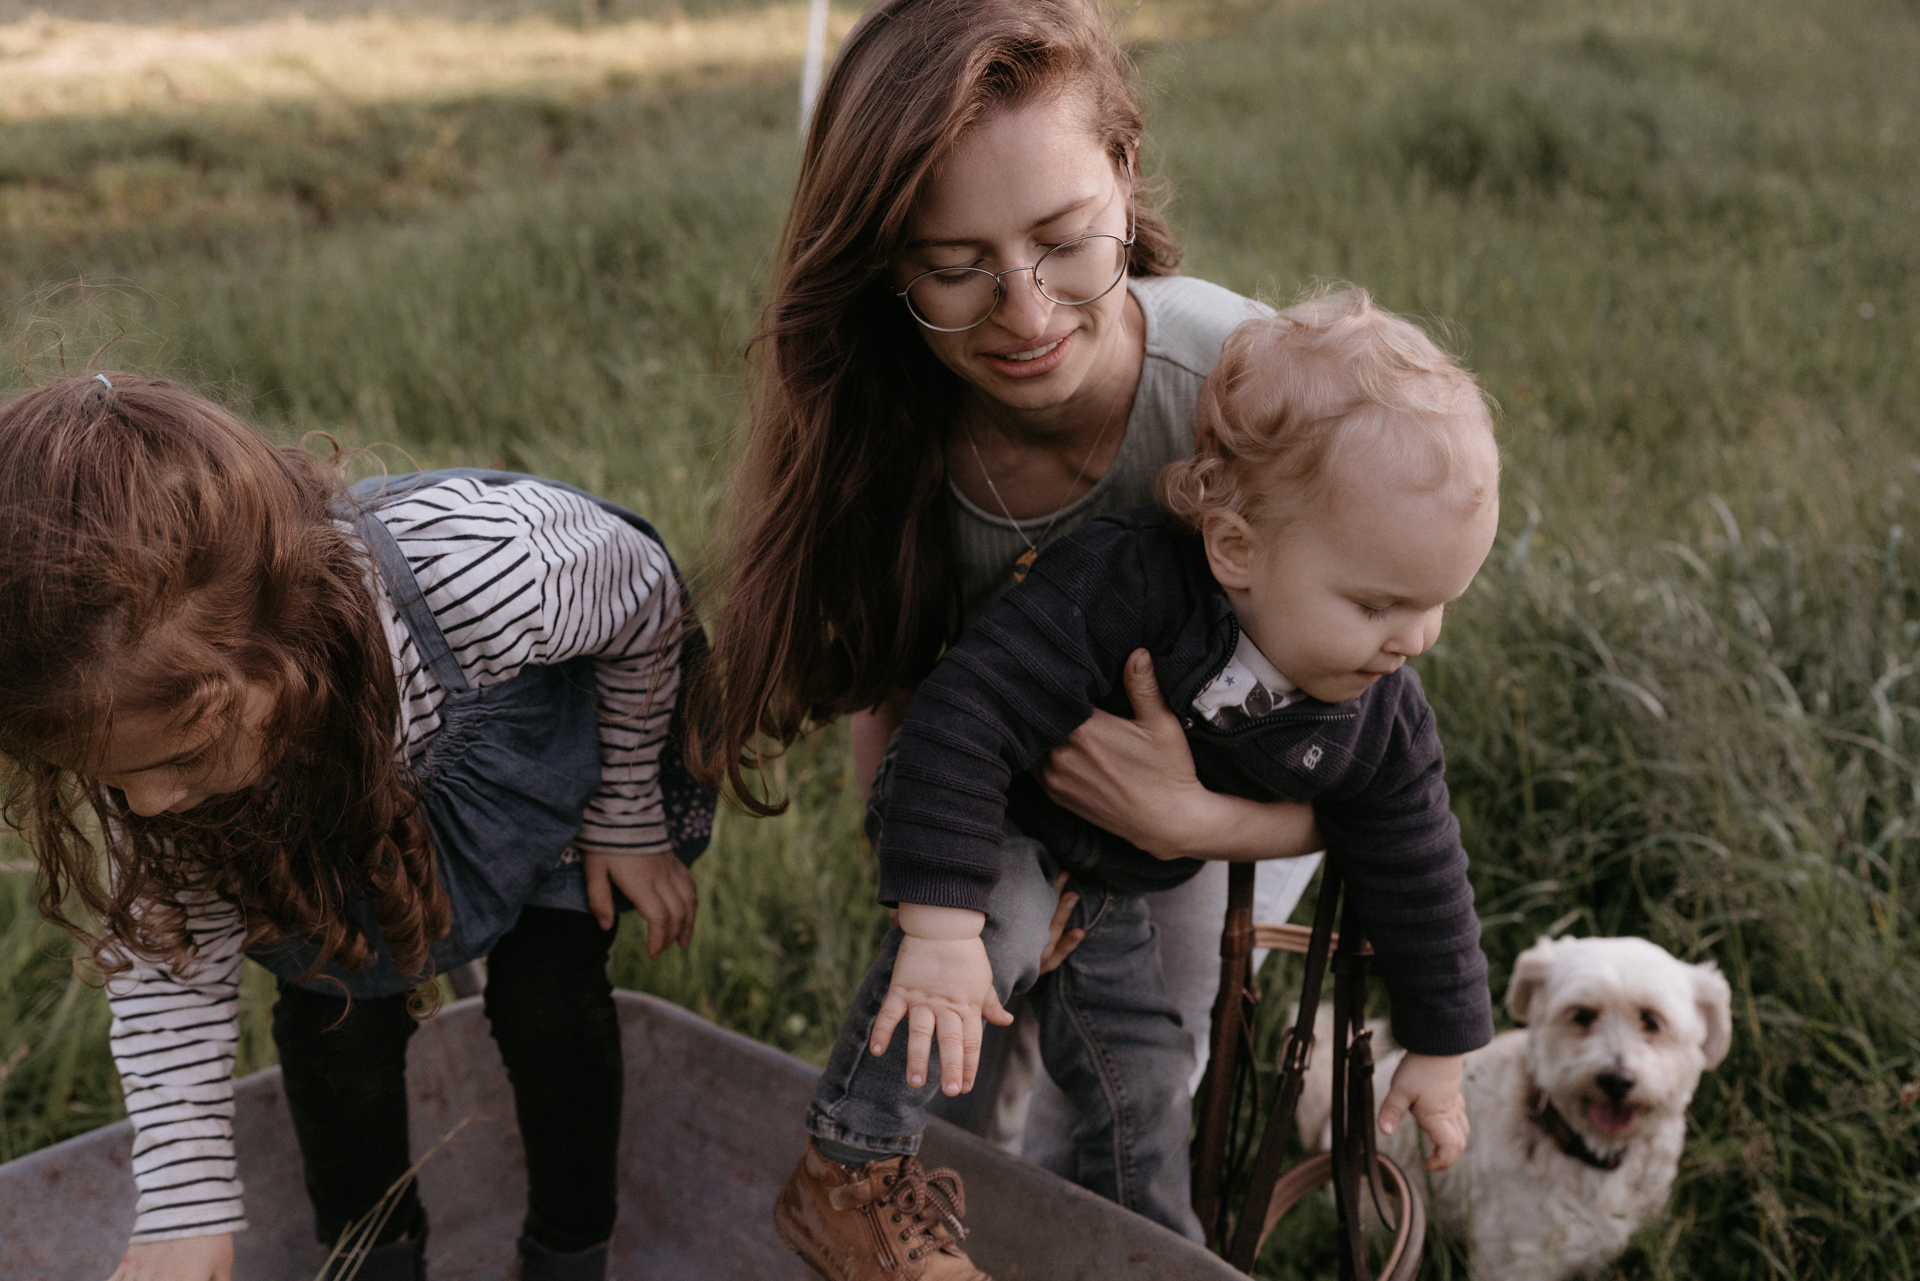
<point x="102" y="380"/>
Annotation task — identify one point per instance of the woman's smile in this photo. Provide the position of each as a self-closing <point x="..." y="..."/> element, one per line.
<point x="1030" y="360"/>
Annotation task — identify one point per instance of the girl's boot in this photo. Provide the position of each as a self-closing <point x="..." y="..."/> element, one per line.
<point x="404" y="1260"/>
<point x="537" y="1263"/>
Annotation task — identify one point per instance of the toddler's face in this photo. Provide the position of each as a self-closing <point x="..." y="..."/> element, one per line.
<point x="1351" y="589"/>
<point x="162" y="769"/>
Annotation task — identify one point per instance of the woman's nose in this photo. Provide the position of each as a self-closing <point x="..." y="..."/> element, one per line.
<point x="1023" y="310"/>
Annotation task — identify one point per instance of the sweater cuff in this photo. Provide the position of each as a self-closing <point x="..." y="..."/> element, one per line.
<point x="1442" y="1032"/>
<point x="915" y="882"/>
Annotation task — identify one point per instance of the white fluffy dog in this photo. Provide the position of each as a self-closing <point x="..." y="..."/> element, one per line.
<point x="1578" y="1120"/>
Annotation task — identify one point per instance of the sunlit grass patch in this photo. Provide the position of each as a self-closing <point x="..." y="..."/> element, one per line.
<point x="61" y="67"/>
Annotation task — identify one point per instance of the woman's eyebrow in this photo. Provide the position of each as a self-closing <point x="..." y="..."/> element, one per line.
<point x="962" y="242"/>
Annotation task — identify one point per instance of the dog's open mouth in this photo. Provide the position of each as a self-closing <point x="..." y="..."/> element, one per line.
<point x="1611" y="1118"/>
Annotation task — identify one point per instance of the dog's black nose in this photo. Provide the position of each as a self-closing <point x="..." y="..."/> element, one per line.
<point x="1615" y="1085"/>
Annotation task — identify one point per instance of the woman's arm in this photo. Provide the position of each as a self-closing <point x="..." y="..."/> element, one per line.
<point x="1135" y="778"/>
<point x="872" y="731"/>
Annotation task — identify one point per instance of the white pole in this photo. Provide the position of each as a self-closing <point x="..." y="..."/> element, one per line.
<point x="810" y="68"/>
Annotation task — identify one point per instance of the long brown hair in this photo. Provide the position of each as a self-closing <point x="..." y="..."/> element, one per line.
<point x="157" y="554"/>
<point x="837" y="571"/>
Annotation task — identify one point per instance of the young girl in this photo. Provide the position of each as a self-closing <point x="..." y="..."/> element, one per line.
<point x="361" y="738"/>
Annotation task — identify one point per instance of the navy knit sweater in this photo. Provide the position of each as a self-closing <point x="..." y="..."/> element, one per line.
<point x="1054" y="648"/>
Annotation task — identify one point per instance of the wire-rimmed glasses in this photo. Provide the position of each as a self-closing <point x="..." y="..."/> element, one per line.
<point x="950" y="300"/>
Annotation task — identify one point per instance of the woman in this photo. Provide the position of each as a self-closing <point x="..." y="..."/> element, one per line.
<point x="974" y="340"/>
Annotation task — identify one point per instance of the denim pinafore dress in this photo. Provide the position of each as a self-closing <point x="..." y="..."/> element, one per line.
<point x="507" y="778"/>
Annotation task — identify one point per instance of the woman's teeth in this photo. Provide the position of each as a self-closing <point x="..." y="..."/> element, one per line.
<point x="1036" y="353"/>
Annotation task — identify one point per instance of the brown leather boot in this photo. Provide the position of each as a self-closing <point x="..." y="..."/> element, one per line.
<point x="884" y="1221"/>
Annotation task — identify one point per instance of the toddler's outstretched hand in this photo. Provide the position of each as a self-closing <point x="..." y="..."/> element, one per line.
<point x="1429" y="1086"/>
<point x="660" y="887"/>
<point x="942" y="986"/>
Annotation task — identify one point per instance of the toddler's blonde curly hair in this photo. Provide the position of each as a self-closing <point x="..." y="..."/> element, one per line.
<point x="1296" y="392"/>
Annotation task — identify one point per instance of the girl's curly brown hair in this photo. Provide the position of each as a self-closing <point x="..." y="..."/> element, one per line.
<point x="157" y="554"/>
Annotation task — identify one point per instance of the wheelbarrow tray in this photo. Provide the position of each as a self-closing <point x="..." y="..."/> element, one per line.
<point x="711" y="1128"/>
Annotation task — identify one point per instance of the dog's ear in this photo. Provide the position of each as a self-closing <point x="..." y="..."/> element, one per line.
<point x="1530" y="971"/>
<point x="1715" y="1001"/>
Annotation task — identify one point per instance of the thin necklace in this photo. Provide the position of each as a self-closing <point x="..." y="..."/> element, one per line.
<point x="1026" y="558"/>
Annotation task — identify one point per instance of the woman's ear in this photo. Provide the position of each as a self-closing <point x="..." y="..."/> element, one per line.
<point x="1229" y="541"/>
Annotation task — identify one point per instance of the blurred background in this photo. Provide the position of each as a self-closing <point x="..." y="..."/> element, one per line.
<point x="1673" y="237"/>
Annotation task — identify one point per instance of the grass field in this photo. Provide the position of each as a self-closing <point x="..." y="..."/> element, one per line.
<point x="1674" y="237"/>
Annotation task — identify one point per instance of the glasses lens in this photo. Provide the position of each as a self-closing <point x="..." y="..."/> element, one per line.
<point x="1081" y="270"/>
<point x="957" y="299"/>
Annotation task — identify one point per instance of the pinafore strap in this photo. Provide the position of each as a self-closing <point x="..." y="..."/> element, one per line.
<point x="404" y="588"/>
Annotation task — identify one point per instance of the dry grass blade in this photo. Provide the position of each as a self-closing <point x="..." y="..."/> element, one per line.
<point x="356" y="1242"/>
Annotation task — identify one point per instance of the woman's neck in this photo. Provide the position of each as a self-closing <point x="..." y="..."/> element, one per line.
<point x="1027" y="463"/>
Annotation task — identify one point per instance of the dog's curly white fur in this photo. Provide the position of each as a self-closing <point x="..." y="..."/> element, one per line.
<point x="1618" y="1033"/>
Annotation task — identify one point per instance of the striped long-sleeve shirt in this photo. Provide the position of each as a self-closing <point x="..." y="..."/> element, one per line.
<point x="516" y="575"/>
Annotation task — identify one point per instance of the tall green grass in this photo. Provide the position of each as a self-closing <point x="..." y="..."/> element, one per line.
<point x="1673" y="238"/>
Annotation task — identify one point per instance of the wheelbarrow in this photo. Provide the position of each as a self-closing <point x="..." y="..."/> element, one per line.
<point x="712" y="1127"/>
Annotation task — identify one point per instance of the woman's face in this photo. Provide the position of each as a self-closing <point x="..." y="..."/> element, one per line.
<point x="1019" y="184"/>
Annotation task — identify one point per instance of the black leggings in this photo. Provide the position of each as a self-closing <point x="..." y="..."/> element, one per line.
<point x="551" y="1009"/>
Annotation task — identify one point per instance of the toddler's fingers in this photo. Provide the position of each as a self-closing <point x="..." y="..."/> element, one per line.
<point x="956" y="1057"/>
<point x="892" y="1010"/>
<point x="993" y="1012"/>
<point x="919" y="1044"/>
<point x="1394" y="1110"/>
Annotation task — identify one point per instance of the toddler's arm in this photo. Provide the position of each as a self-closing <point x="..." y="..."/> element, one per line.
<point x="1429" y="1087"/>
<point x="942" y="986"/>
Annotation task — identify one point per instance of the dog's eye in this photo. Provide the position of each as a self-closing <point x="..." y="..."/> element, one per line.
<point x="1584" y="1016"/>
<point x="1650" y="1021"/>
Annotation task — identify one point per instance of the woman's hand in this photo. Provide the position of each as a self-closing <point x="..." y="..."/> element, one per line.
<point x="1135" y="778"/>
<point x="208" y="1258"/>
<point x="660" y="887"/>
<point x="1060" y="940"/>
<point x="942" y="986"/>
<point x="1429" y="1087"/>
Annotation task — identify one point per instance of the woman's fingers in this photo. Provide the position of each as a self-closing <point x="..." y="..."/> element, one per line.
<point x="1060" y="940"/>
<point x="1143" y="691"/>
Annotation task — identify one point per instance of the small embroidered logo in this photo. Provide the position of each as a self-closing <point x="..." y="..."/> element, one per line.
<point x="1312" y="758"/>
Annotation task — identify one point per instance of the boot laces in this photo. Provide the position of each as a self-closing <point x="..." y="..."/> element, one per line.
<point x="932" y="1203"/>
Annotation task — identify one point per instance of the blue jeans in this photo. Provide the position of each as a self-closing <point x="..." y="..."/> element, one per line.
<point x="1110" y="1036"/>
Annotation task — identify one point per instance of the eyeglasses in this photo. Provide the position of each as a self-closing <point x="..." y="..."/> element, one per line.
<point x="951" y="300"/>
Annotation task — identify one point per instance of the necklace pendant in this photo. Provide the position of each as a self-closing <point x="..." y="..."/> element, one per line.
<point x="1025" y="563"/>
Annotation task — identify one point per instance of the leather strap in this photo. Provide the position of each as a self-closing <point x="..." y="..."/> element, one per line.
<point x="1229" y="1015"/>
<point x="1293" y="1069"/>
<point x="1409" y="1226"/>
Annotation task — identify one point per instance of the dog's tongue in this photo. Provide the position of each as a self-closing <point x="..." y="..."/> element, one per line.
<point x="1610" y="1118"/>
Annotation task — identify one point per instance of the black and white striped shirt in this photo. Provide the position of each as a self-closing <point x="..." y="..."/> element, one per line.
<point x="516" y="575"/>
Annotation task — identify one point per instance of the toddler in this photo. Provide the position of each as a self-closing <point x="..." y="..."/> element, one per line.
<point x="1343" y="494"/>
<point x="361" y="738"/>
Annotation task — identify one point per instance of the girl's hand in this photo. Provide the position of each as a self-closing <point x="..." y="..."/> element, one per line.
<point x="208" y="1258"/>
<point x="1430" y="1087"/>
<point x="1135" y="778"/>
<point x="660" y="887"/>
<point x="942" y="986"/>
